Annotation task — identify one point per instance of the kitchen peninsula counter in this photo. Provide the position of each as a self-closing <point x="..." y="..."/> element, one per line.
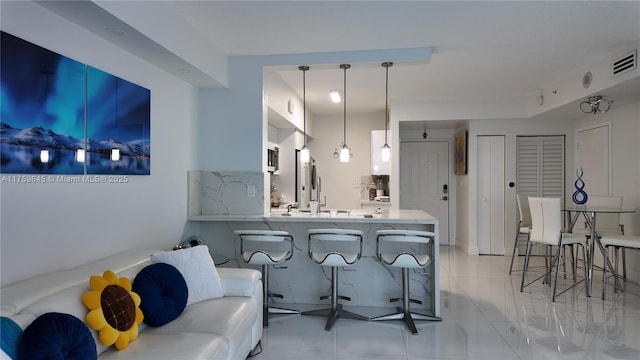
<point x="301" y="281"/>
<point x="352" y="216"/>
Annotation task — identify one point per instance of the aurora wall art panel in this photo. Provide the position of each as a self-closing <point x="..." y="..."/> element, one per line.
<point x="118" y="125"/>
<point x="59" y="116"/>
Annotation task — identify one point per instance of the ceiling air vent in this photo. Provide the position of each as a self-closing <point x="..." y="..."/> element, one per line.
<point x="626" y="63"/>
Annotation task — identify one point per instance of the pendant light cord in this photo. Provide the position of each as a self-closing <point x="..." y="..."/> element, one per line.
<point x="304" y="69"/>
<point x="386" y="96"/>
<point x="344" y="139"/>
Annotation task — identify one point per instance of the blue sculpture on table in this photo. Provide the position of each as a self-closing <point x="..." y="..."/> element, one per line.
<point x="579" y="196"/>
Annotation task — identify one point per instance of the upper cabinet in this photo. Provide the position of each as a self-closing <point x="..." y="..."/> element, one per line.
<point x="379" y="167"/>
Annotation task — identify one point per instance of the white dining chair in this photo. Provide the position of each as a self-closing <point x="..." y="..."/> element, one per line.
<point x="616" y="242"/>
<point x="607" y="223"/>
<point x="546" y="229"/>
<point x="524" y="224"/>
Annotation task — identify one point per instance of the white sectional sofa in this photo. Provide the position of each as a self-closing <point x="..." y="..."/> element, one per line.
<point x="223" y="328"/>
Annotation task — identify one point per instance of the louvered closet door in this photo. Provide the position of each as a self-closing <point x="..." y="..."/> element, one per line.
<point x="539" y="169"/>
<point x="540" y="166"/>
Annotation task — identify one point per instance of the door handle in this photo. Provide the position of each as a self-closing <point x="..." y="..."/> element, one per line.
<point x="445" y="198"/>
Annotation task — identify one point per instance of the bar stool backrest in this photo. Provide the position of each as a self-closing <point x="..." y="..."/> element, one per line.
<point x="339" y="247"/>
<point x="265" y="246"/>
<point x="406" y="235"/>
<point x="405" y="248"/>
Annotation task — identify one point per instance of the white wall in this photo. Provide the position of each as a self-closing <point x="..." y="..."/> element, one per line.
<point x="50" y="226"/>
<point x="510" y="129"/>
<point x="341" y="181"/>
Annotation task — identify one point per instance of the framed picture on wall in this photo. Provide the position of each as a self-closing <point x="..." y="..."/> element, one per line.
<point x="461" y="153"/>
<point x="60" y="116"/>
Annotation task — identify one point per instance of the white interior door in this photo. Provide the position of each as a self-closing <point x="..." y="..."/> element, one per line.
<point x="592" y="155"/>
<point x="424" y="180"/>
<point x="490" y="202"/>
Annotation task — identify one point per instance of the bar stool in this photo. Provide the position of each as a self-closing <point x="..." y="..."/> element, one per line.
<point x="266" y="247"/>
<point x="397" y="248"/>
<point x="333" y="248"/>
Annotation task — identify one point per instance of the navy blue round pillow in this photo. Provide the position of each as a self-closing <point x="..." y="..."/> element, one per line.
<point x="163" y="292"/>
<point x="57" y="336"/>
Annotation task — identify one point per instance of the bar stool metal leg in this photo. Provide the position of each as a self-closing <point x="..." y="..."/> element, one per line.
<point x="336" y="309"/>
<point x="266" y="308"/>
<point x="404" y="312"/>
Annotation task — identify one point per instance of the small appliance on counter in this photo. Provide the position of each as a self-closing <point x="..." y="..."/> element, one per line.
<point x="379" y="188"/>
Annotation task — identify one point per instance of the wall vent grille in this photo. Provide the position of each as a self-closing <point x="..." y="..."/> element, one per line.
<point x="626" y="63"/>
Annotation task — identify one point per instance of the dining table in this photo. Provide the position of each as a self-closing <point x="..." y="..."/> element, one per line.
<point x="590" y="213"/>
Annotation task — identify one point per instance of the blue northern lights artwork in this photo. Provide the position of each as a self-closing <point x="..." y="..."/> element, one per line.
<point x="50" y="102"/>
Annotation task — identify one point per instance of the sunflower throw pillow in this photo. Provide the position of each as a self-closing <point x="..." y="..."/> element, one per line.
<point x="114" y="310"/>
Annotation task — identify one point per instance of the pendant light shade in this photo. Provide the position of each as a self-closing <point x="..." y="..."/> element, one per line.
<point x="345" y="154"/>
<point x="386" y="150"/>
<point x="305" y="155"/>
<point x="304" y="152"/>
<point x="345" y="151"/>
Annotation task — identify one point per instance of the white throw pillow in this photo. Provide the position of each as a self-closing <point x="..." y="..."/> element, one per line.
<point x="199" y="272"/>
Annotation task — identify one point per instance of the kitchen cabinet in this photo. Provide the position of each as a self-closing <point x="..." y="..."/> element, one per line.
<point x="379" y="167"/>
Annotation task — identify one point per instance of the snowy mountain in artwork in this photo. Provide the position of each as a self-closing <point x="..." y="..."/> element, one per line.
<point x="46" y="138"/>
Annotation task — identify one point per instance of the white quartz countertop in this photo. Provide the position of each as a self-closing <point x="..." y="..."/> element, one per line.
<point x="354" y="215"/>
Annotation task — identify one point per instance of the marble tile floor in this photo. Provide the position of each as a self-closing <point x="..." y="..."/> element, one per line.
<point x="484" y="317"/>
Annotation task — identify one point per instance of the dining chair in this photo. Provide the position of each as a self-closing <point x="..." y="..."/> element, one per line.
<point x="546" y="229"/>
<point x="608" y="223"/>
<point x="617" y="242"/>
<point x="524" y="224"/>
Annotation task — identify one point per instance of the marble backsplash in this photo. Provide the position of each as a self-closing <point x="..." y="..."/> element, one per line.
<point x="225" y="193"/>
<point x="368" y="182"/>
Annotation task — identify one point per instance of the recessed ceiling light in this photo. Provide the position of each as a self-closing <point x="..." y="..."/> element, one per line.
<point x="115" y="31"/>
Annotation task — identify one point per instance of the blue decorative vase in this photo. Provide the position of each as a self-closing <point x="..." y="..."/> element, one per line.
<point x="579" y="196"/>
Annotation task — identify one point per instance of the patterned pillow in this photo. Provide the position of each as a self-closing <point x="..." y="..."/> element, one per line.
<point x="114" y="309"/>
<point x="163" y="292"/>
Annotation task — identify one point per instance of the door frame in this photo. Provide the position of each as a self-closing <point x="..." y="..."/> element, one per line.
<point x="451" y="180"/>
<point x="592" y="126"/>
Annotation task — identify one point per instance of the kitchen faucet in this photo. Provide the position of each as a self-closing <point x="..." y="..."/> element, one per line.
<point x="318" y="190"/>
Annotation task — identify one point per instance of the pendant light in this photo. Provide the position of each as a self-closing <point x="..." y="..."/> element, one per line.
<point x="386" y="150"/>
<point x="345" y="151"/>
<point x="304" y="152"/>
